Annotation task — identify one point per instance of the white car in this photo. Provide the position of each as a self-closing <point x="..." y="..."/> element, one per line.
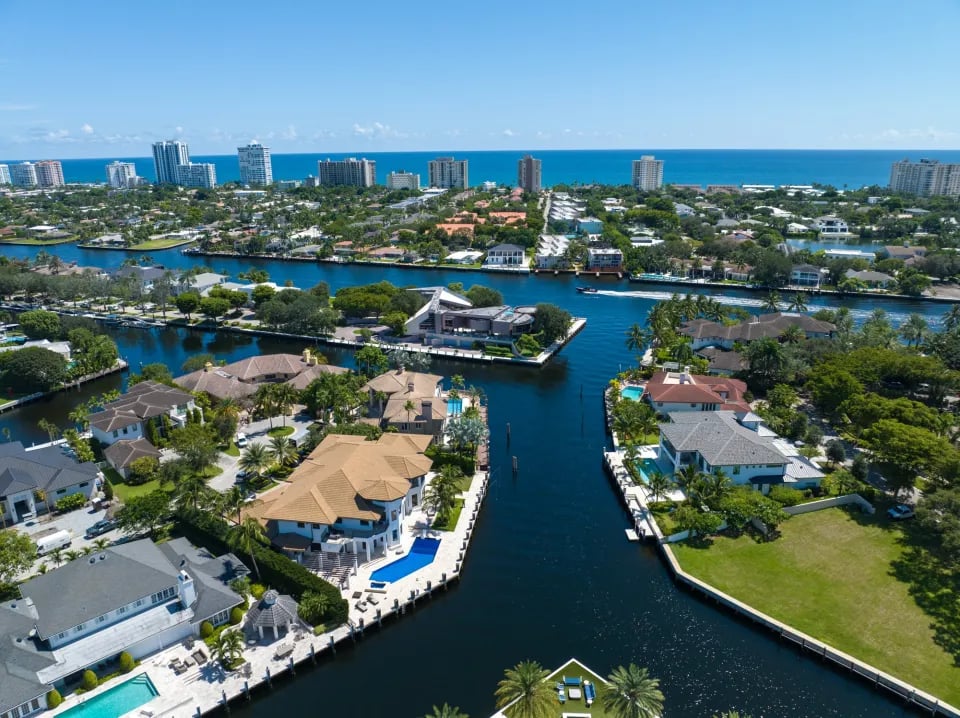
<point x="241" y="441"/>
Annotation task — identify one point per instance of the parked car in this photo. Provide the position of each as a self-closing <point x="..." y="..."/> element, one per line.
<point x="242" y="476"/>
<point x="100" y="528"/>
<point x="241" y="441"/>
<point x="900" y="512"/>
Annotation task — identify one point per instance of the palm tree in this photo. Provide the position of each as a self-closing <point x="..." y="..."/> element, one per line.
<point x="57" y="556"/>
<point x="658" y="484"/>
<point x="440" y="496"/>
<point x="229" y="646"/>
<point x="772" y="301"/>
<point x="409" y="407"/>
<point x="191" y="490"/>
<point x="688" y="475"/>
<point x="265" y="400"/>
<point x="793" y="334"/>
<point x="284" y="397"/>
<point x="234" y="500"/>
<point x="283" y="451"/>
<point x="446" y="711"/>
<point x="636" y="338"/>
<point x="101" y="543"/>
<point x="798" y="303"/>
<point x="682" y="351"/>
<point x="256" y="459"/>
<point x="951" y="320"/>
<point x="247" y="536"/>
<point x="79" y="417"/>
<point x="72" y="555"/>
<point x="524" y="687"/>
<point x="632" y="693"/>
<point x="914" y="330"/>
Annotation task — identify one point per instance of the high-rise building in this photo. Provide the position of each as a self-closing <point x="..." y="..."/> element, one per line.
<point x="197" y="174"/>
<point x="925" y="178"/>
<point x="403" y="180"/>
<point x="24" y="174"/>
<point x="528" y="174"/>
<point x="121" y="174"/>
<point x="349" y="172"/>
<point x="647" y="173"/>
<point x="167" y="156"/>
<point x="448" y="173"/>
<point x="49" y="173"/>
<point x="5" y="174"/>
<point x="255" y="165"/>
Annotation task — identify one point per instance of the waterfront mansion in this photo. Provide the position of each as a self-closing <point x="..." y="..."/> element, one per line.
<point x="138" y="597"/>
<point x="345" y="504"/>
<point x="739" y="444"/>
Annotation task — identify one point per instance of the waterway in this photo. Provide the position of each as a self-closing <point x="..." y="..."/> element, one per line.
<point x="550" y="574"/>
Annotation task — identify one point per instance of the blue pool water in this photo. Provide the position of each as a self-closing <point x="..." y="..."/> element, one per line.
<point x="647" y="467"/>
<point x="632" y="392"/>
<point x="116" y="701"/>
<point x="421" y="554"/>
<point x="454" y="407"/>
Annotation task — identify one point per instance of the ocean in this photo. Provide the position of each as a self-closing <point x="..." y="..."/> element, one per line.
<point x="840" y="168"/>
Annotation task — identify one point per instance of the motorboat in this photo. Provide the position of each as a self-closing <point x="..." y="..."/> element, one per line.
<point x="587" y="290"/>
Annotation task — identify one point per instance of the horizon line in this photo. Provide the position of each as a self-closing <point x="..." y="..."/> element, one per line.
<point x="442" y="153"/>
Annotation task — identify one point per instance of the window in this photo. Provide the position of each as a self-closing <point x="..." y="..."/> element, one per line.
<point x="101" y="619"/>
<point x="61" y="635"/>
<point x="139" y="602"/>
<point x="364" y="522"/>
<point x="736" y="470"/>
<point x="61" y="491"/>
<point x="163" y="595"/>
<point x="125" y="430"/>
<point x="394" y="535"/>
<point x="301" y="525"/>
<point x="116" y="434"/>
<point x="84" y="485"/>
<point x="80" y="628"/>
<point x="123" y="609"/>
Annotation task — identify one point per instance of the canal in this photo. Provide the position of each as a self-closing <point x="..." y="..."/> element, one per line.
<point x="550" y="574"/>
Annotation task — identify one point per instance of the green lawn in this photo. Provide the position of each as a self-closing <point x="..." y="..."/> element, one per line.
<point x="280" y="431"/>
<point x="231" y="449"/>
<point x="125" y="492"/>
<point x="37" y="241"/>
<point x="836" y="576"/>
<point x="152" y="244"/>
<point x="451" y="523"/>
<point x="573" y="669"/>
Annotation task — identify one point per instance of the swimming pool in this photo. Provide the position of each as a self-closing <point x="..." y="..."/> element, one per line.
<point x="632" y="392"/>
<point x="116" y="701"/>
<point x="454" y="406"/>
<point x="421" y="554"/>
<point x="647" y="467"/>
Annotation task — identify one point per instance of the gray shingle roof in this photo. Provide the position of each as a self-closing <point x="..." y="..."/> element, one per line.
<point x="211" y="575"/>
<point x="97" y="584"/>
<point x="273" y="611"/>
<point x="20" y="658"/>
<point x="48" y="469"/>
<point x="719" y="439"/>
<point x="125" y="452"/>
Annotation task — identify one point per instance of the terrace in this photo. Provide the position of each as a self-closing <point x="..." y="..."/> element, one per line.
<point x="576" y="680"/>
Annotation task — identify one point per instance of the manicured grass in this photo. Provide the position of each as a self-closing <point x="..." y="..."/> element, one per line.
<point x="451" y="523"/>
<point x="125" y="492"/>
<point x="280" y="431"/>
<point x="36" y="241"/>
<point x="834" y="576"/>
<point x="662" y="513"/>
<point x="231" y="450"/>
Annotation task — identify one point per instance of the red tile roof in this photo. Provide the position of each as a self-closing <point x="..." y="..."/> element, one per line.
<point x="701" y="390"/>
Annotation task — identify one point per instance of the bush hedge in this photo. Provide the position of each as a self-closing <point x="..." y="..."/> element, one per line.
<point x="107" y="489"/>
<point x="467" y="464"/>
<point x="71" y="503"/>
<point x="89" y="680"/>
<point x="126" y="662"/>
<point x="206" y="629"/>
<point x="236" y="615"/>
<point x="54" y="698"/>
<point x="784" y="496"/>
<point x="257" y="590"/>
<point x="278" y="571"/>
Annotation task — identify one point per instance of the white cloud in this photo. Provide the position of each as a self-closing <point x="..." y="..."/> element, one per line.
<point x="58" y="136"/>
<point x="14" y="107"/>
<point x="178" y="129"/>
<point x="87" y="128"/>
<point x="289" y="134"/>
<point x="377" y="131"/>
<point x="508" y="133"/>
<point x="930" y="133"/>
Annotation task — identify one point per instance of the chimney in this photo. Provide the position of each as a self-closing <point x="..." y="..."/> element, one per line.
<point x="208" y="366"/>
<point x="409" y="387"/>
<point x="186" y="590"/>
<point x="426" y="408"/>
<point x="306" y="356"/>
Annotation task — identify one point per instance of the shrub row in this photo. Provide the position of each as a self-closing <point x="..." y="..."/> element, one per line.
<point x="467" y="464"/>
<point x="277" y="570"/>
<point x="71" y="503"/>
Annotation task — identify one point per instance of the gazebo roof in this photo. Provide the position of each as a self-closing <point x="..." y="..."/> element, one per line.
<point x="274" y="610"/>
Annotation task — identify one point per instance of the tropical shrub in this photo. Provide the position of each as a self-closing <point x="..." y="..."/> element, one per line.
<point x="89" y="680"/>
<point x="54" y="699"/>
<point x="126" y="662"/>
<point x="71" y="503"/>
<point x="784" y="496"/>
<point x="206" y="629"/>
<point x="236" y="615"/>
<point x="257" y="590"/>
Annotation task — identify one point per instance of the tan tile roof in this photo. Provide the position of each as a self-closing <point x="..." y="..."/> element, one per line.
<point x="392" y="382"/>
<point x="345" y="473"/>
<point x="302" y="380"/>
<point x="263" y="364"/>
<point x="216" y="383"/>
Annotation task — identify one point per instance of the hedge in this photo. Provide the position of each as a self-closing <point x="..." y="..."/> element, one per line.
<point x="127" y="663"/>
<point x="71" y="503"/>
<point x="278" y="571"/>
<point x="440" y="458"/>
<point x="54" y="699"/>
<point x="89" y="680"/>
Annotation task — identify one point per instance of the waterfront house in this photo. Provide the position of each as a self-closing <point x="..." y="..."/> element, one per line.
<point x="137" y="597"/>
<point x="831" y="227"/>
<point x="588" y="225"/>
<point x="604" y="259"/>
<point x="121" y="454"/>
<point x="723" y="362"/>
<point x="551" y="251"/>
<point x="348" y="498"/>
<point x="240" y="379"/>
<point x="908" y="253"/>
<point x="126" y="417"/>
<point x="505" y="255"/>
<point x="143" y="276"/>
<point x="806" y="275"/>
<point x="737" y="443"/>
<point x="704" y="333"/>
<point x="61" y="348"/>
<point x="879" y="280"/>
<point x="33" y="480"/>
<point x="391" y="393"/>
<point x="668" y="392"/>
<point x="448" y="318"/>
<point x="203" y="282"/>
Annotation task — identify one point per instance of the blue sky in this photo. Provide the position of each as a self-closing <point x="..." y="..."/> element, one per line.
<point x="107" y="78"/>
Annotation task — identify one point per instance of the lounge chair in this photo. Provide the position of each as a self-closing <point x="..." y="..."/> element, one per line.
<point x="589" y="692"/>
<point x="561" y="695"/>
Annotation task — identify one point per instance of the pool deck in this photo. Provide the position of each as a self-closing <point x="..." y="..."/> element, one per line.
<point x="207" y="688"/>
<point x="636" y="497"/>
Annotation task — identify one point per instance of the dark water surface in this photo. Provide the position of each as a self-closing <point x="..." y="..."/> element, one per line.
<point x="550" y="573"/>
